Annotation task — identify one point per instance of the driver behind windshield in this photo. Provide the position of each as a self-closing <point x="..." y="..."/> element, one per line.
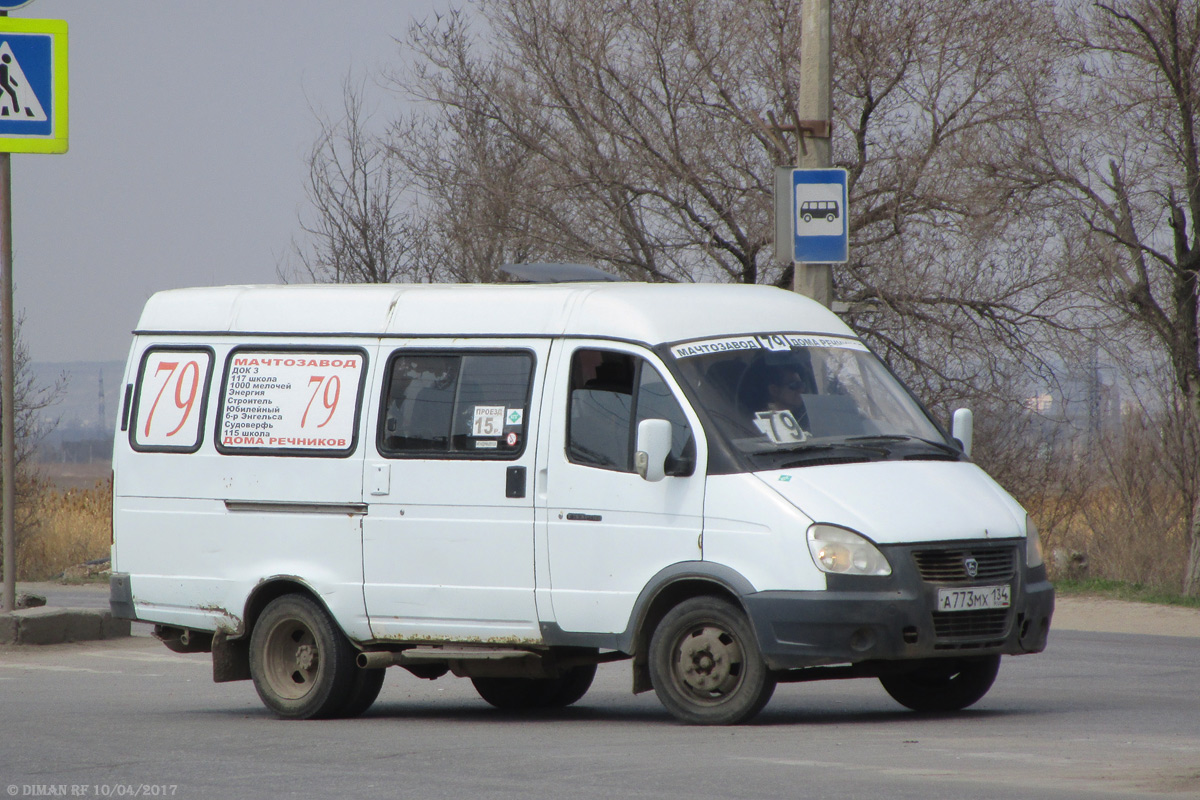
<point x="785" y="390"/>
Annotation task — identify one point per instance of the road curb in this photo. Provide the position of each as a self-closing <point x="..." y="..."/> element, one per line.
<point x="45" y="625"/>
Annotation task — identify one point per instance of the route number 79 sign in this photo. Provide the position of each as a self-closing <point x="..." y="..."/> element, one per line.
<point x="170" y="405"/>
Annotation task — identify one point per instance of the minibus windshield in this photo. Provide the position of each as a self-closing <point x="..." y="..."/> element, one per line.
<point x="790" y="399"/>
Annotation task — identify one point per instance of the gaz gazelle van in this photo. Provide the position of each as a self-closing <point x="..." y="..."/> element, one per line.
<point x="516" y="483"/>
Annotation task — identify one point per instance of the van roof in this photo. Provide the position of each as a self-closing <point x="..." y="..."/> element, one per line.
<point x="652" y="313"/>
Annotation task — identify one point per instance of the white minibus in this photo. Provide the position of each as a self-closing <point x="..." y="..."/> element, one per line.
<point x="720" y="484"/>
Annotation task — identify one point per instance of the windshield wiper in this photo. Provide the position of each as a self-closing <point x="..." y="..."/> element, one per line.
<point x="901" y="437"/>
<point x="852" y="451"/>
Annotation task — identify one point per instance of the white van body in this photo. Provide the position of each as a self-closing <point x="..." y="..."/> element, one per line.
<point x="316" y="482"/>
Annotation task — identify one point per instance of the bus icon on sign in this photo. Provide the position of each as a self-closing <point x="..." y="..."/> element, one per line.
<point x="828" y="210"/>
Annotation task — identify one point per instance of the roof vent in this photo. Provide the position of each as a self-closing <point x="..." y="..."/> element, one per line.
<point x="557" y="273"/>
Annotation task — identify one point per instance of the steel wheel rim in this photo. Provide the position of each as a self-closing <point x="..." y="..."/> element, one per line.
<point x="708" y="664"/>
<point x="291" y="659"/>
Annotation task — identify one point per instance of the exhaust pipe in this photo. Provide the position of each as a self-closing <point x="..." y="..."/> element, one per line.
<point x="378" y="659"/>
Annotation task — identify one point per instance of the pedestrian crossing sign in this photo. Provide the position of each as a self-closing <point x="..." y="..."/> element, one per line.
<point x="33" y="85"/>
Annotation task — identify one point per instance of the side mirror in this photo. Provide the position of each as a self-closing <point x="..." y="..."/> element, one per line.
<point x="653" y="447"/>
<point x="963" y="428"/>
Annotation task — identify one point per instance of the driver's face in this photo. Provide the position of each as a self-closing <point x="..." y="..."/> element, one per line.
<point x="786" y="388"/>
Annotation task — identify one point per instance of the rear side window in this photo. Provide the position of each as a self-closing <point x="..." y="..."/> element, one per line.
<point x="170" y="399"/>
<point x="291" y="401"/>
<point x="610" y="394"/>
<point x="456" y="404"/>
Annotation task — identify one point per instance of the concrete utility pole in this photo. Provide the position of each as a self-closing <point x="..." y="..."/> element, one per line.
<point x="815" y="143"/>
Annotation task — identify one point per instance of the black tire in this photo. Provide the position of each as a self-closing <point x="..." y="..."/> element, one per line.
<point x="367" y="684"/>
<point x="572" y="686"/>
<point x="808" y="217"/>
<point x="941" y="685"/>
<point x="514" y="694"/>
<point x="705" y="666"/>
<point x="830" y="217"/>
<point x="524" y="694"/>
<point x="302" y="665"/>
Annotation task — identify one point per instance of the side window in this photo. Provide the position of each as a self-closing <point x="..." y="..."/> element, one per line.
<point x="610" y="393"/>
<point x="599" y="421"/>
<point x="454" y="405"/>
<point x="655" y="401"/>
<point x="170" y="400"/>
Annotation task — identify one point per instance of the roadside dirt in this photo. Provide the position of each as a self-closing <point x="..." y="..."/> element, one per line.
<point x="1117" y="616"/>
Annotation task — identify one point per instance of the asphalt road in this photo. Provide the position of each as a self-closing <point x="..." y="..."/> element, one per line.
<point x="1096" y="715"/>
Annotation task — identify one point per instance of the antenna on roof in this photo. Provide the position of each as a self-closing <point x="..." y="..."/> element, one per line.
<point x="557" y="273"/>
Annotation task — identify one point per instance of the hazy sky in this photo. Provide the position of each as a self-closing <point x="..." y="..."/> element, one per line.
<point x="190" y="123"/>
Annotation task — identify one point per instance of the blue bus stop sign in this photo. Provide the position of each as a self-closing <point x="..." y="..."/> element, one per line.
<point x="820" y="228"/>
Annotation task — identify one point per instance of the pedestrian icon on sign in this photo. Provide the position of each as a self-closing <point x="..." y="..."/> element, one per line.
<point x="17" y="98"/>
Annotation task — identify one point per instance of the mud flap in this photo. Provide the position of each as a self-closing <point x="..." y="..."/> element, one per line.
<point x="230" y="659"/>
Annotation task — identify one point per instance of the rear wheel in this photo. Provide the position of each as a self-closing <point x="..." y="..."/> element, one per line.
<point x="705" y="666"/>
<point x="949" y="684"/>
<point x="302" y="665"/>
<point x="367" y="685"/>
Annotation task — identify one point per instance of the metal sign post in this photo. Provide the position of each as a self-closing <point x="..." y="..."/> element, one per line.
<point x="33" y="119"/>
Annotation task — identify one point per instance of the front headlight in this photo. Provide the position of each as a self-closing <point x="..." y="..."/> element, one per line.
<point x="1033" y="544"/>
<point x="844" y="552"/>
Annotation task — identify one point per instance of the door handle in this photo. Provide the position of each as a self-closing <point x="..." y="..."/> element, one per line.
<point x="514" y="482"/>
<point x="381" y="480"/>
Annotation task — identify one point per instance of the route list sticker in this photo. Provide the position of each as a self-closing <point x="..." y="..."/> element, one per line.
<point x="291" y="400"/>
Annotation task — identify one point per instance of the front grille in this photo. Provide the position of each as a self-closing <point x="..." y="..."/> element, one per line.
<point x="950" y="565"/>
<point x="990" y="623"/>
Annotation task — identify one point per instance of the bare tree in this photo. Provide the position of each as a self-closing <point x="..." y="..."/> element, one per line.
<point x="1115" y="161"/>
<point x="31" y="400"/>
<point x="627" y="131"/>
<point x="360" y="228"/>
<point x="631" y="133"/>
<point x="948" y="277"/>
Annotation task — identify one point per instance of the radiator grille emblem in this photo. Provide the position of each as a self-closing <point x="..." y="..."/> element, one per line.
<point x="972" y="566"/>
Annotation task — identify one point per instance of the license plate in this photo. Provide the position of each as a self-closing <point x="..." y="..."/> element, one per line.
<point x="974" y="598"/>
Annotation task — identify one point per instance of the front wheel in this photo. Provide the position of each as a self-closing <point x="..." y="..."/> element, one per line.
<point x="705" y="666"/>
<point x="949" y="684"/>
<point x="302" y="665"/>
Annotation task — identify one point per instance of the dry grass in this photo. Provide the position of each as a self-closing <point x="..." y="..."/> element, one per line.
<point x="68" y="528"/>
<point x="1109" y="534"/>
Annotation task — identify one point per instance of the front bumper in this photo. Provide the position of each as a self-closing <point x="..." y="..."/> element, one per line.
<point x="895" y="618"/>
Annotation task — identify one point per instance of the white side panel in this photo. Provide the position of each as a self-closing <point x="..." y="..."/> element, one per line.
<point x="751" y="529"/>
<point x="192" y="561"/>
<point x="444" y="568"/>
